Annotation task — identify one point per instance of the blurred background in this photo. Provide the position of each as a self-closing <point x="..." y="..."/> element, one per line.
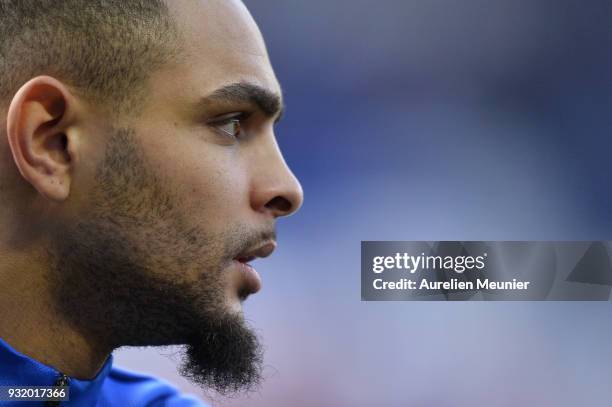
<point x="431" y="120"/>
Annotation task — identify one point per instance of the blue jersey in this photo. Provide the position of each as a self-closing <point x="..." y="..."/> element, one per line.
<point x="111" y="387"/>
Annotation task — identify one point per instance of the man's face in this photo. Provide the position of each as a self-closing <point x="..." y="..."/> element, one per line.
<point x="210" y="141"/>
<point x="178" y="200"/>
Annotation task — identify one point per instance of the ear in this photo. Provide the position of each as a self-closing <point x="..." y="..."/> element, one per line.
<point x="39" y="123"/>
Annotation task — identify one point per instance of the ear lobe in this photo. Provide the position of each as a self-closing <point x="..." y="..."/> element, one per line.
<point x="38" y="129"/>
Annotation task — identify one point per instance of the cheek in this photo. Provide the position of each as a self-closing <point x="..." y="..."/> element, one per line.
<point x="212" y="189"/>
<point x="210" y="181"/>
<point x="216" y="192"/>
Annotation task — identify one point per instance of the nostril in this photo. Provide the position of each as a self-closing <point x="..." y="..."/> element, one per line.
<point x="279" y="204"/>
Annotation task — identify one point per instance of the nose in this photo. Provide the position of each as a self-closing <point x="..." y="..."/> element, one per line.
<point x="275" y="189"/>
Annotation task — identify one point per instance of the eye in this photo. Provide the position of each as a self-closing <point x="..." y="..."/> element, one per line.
<point x="230" y="125"/>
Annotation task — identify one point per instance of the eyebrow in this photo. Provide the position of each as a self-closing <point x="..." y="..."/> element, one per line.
<point x="268" y="102"/>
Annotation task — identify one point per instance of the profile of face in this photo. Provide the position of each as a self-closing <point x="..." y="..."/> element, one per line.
<point x="156" y="217"/>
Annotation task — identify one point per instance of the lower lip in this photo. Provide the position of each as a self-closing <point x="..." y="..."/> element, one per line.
<point x="251" y="277"/>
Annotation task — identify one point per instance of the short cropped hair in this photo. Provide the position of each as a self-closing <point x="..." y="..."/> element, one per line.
<point x="104" y="49"/>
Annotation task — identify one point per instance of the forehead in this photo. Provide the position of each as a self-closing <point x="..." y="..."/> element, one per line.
<point x="221" y="45"/>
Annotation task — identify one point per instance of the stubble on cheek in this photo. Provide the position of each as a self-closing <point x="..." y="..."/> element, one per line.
<point x="133" y="259"/>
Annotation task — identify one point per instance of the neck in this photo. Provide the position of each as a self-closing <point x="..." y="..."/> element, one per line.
<point x="31" y="324"/>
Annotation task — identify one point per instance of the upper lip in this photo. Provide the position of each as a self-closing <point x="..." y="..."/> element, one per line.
<point x="262" y="250"/>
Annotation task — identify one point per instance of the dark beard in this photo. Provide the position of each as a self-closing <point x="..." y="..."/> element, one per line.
<point x="132" y="272"/>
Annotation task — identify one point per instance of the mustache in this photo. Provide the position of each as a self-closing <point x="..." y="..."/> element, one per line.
<point x="246" y="239"/>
